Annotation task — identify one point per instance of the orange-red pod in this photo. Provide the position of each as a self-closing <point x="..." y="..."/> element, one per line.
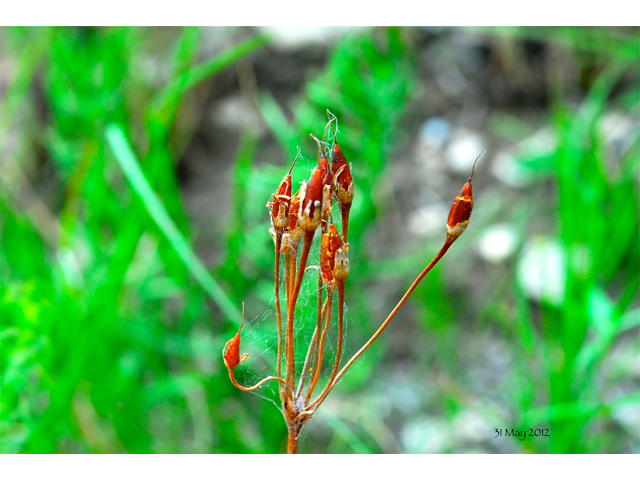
<point x="311" y="204"/>
<point x="460" y="212"/>
<point x="331" y="243"/>
<point x="461" y="209"/>
<point x="325" y="171"/>
<point x="231" y="351"/>
<point x="342" y="180"/>
<point x="292" y="221"/>
<point x="282" y="202"/>
<point x="293" y="233"/>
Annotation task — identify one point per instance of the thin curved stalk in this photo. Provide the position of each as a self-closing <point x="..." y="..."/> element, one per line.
<point x="318" y="401"/>
<point x="290" y="373"/>
<point x="257" y="385"/>
<point x="314" y="339"/>
<point x="336" y="364"/>
<point x="278" y="311"/>
<point x="315" y="366"/>
<point x="316" y="373"/>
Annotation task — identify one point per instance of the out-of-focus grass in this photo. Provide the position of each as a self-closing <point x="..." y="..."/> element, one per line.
<point x="564" y="340"/>
<point x="107" y="344"/>
<point x="598" y="233"/>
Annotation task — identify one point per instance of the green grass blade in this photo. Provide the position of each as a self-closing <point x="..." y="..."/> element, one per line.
<point x="278" y="123"/>
<point x="187" y="80"/>
<point x="127" y="160"/>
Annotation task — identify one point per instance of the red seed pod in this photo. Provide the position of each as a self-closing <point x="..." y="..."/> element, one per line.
<point x="231" y="351"/>
<point x="461" y="209"/>
<point x="325" y="270"/>
<point x="282" y="201"/>
<point x="343" y="185"/>
<point x="323" y="161"/>
<point x="331" y="243"/>
<point x="323" y="164"/>
<point x="341" y="267"/>
<point x="311" y="205"/>
<point x="293" y="233"/>
<point x="327" y="205"/>
<point x="294" y="211"/>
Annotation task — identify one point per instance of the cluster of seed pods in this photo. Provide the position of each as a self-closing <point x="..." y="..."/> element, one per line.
<point x="295" y="218"/>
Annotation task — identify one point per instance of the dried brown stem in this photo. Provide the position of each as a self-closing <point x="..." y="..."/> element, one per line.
<point x="278" y="311"/>
<point x="344" y="210"/>
<point x="318" y="401"/>
<point x="287" y="271"/>
<point x="336" y="365"/>
<point x="314" y="340"/>
<point x="290" y="374"/>
<point x="294" y="434"/>
<point x="318" y="367"/>
<point x="257" y="385"/>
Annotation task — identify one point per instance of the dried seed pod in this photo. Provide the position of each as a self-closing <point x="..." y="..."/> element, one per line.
<point x="461" y="209"/>
<point x="331" y="243"/>
<point x="341" y="267"/>
<point x="282" y="201"/>
<point x="327" y="205"/>
<point x="231" y="351"/>
<point x="311" y="205"/>
<point x="343" y="186"/>
<point x="294" y="211"/>
<point x="293" y="233"/>
<point x="323" y="164"/>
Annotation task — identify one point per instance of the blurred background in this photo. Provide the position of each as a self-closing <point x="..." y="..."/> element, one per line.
<point x="136" y="164"/>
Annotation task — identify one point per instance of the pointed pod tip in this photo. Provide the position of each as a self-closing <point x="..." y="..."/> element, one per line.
<point x="231" y="351"/>
<point x="474" y="165"/>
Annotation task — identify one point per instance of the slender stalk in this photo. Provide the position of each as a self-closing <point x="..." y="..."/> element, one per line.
<point x="345" y="221"/>
<point x="319" y="316"/>
<point x="314" y="341"/>
<point x="290" y="350"/>
<point x="292" y="277"/>
<point x="292" y="442"/>
<point x="316" y="403"/>
<point x="307" y="360"/>
<point x="336" y="365"/>
<point x="257" y="385"/>
<point x="287" y="271"/>
<point x="278" y="311"/>
<point x="316" y="373"/>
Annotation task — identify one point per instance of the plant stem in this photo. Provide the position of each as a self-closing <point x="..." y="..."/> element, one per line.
<point x="278" y="311"/>
<point x="317" y="362"/>
<point x="318" y="367"/>
<point x="294" y="434"/>
<point x="305" y="368"/>
<point x="336" y="365"/>
<point x="257" y="385"/>
<point x="287" y="282"/>
<point x="316" y="403"/>
<point x="290" y="350"/>
<point x="345" y="221"/>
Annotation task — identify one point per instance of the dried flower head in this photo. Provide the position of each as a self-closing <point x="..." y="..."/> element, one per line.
<point x="461" y="209"/>
<point x="231" y="351"/>
<point x="281" y="203"/>
<point x="296" y="218"/>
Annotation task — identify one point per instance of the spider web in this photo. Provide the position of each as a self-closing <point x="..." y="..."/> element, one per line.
<point x="259" y="335"/>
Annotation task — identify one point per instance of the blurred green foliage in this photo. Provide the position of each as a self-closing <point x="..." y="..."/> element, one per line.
<point x="111" y="328"/>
